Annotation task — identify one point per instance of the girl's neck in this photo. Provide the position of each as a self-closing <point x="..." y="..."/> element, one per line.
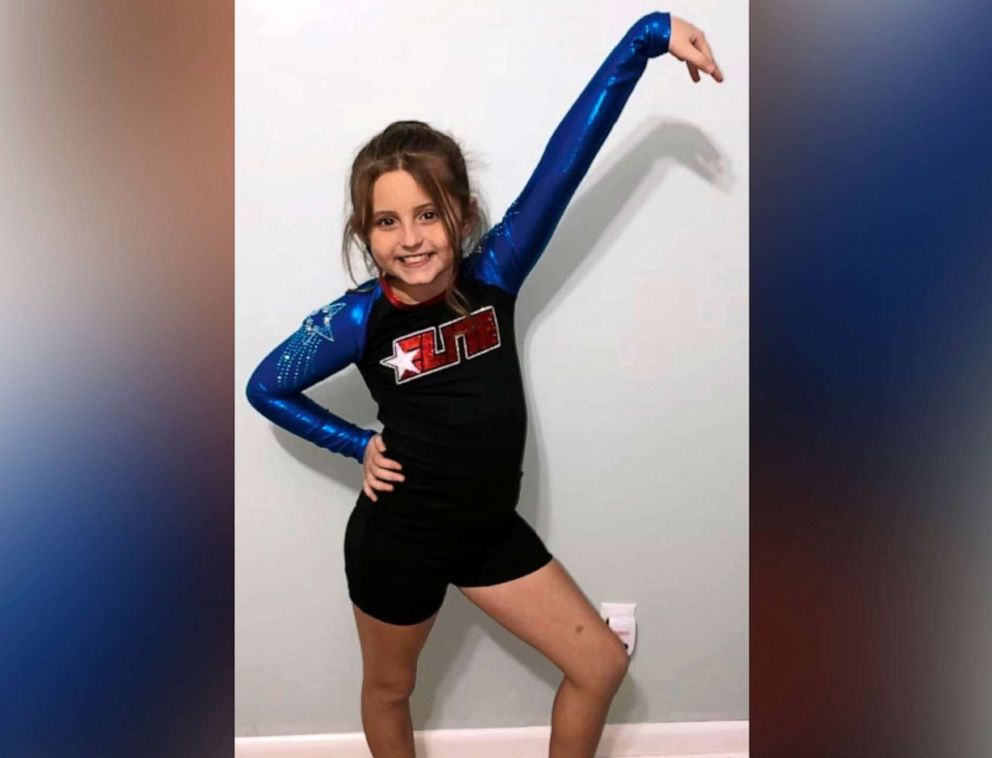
<point x="415" y="294"/>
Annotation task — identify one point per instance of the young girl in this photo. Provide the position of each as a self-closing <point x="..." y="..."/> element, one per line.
<point x="433" y="337"/>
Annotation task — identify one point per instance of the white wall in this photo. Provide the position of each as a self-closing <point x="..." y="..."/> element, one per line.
<point x="633" y="333"/>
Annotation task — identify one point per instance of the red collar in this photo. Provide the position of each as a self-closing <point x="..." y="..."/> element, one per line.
<point x="391" y="296"/>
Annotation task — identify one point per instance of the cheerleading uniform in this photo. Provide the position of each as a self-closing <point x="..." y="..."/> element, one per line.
<point x="448" y="387"/>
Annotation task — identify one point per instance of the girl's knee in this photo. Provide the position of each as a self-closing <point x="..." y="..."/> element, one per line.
<point x="603" y="671"/>
<point x="619" y="663"/>
<point x="393" y="689"/>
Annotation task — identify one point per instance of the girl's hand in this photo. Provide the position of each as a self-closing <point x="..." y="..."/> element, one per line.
<point x="689" y="44"/>
<point x="377" y="468"/>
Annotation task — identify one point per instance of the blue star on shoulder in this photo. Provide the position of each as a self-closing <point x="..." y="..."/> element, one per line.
<point x="320" y="320"/>
<point x="297" y="358"/>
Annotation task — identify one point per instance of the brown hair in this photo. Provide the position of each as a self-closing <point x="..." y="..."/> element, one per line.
<point x="436" y="163"/>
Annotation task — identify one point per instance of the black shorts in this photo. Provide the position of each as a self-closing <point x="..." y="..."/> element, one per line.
<point x="399" y="563"/>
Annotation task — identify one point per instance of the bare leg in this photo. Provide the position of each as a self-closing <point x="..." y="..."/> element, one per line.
<point x="547" y="610"/>
<point x="577" y="720"/>
<point x="389" y="666"/>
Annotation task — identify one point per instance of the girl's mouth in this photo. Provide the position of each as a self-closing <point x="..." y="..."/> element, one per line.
<point x="416" y="261"/>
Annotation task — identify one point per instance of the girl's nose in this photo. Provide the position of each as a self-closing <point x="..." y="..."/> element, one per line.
<point x="411" y="237"/>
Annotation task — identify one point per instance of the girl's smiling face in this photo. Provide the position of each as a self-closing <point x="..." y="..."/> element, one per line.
<point x="408" y="239"/>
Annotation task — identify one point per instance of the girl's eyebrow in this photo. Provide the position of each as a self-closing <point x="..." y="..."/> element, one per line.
<point x="416" y="208"/>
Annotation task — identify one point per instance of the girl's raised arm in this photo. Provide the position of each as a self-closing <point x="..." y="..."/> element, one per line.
<point x="327" y="341"/>
<point x="511" y="248"/>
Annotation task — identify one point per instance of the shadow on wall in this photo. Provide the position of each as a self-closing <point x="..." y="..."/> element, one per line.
<point x="603" y="206"/>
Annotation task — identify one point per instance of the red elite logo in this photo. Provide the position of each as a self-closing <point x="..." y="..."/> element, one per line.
<point x="420" y="353"/>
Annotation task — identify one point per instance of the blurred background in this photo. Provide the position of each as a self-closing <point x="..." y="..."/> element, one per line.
<point x="116" y="510"/>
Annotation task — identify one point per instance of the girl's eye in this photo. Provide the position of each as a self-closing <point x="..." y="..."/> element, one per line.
<point x="426" y="215"/>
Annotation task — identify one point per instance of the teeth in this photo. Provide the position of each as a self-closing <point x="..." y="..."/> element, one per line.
<point x="415" y="258"/>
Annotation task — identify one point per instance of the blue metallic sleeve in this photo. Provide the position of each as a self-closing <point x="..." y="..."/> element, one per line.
<point x="510" y="249"/>
<point x="328" y="340"/>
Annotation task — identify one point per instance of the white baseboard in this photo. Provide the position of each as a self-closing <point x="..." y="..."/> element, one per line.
<point x="700" y="739"/>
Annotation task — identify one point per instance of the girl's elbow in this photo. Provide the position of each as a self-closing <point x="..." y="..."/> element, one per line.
<point x="258" y="393"/>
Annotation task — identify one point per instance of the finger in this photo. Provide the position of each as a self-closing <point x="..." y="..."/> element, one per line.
<point x="368" y="491"/>
<point x="387" y="463"/>
<point x="698" y="59"/>
<point x="381" y="473"/>
<point x="380" y="443"/>
<point x="381" y="485"/>
<point x="693" y="71"/>
<point x="379" y="461"/>
<point x="704" y="45"/>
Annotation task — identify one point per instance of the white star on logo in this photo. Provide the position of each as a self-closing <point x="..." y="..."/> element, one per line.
<point x="401" y="361"/>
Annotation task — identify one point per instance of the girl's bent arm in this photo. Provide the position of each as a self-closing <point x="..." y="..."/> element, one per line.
<point x="329" y="339"/>
<point x="510" y="249"/>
